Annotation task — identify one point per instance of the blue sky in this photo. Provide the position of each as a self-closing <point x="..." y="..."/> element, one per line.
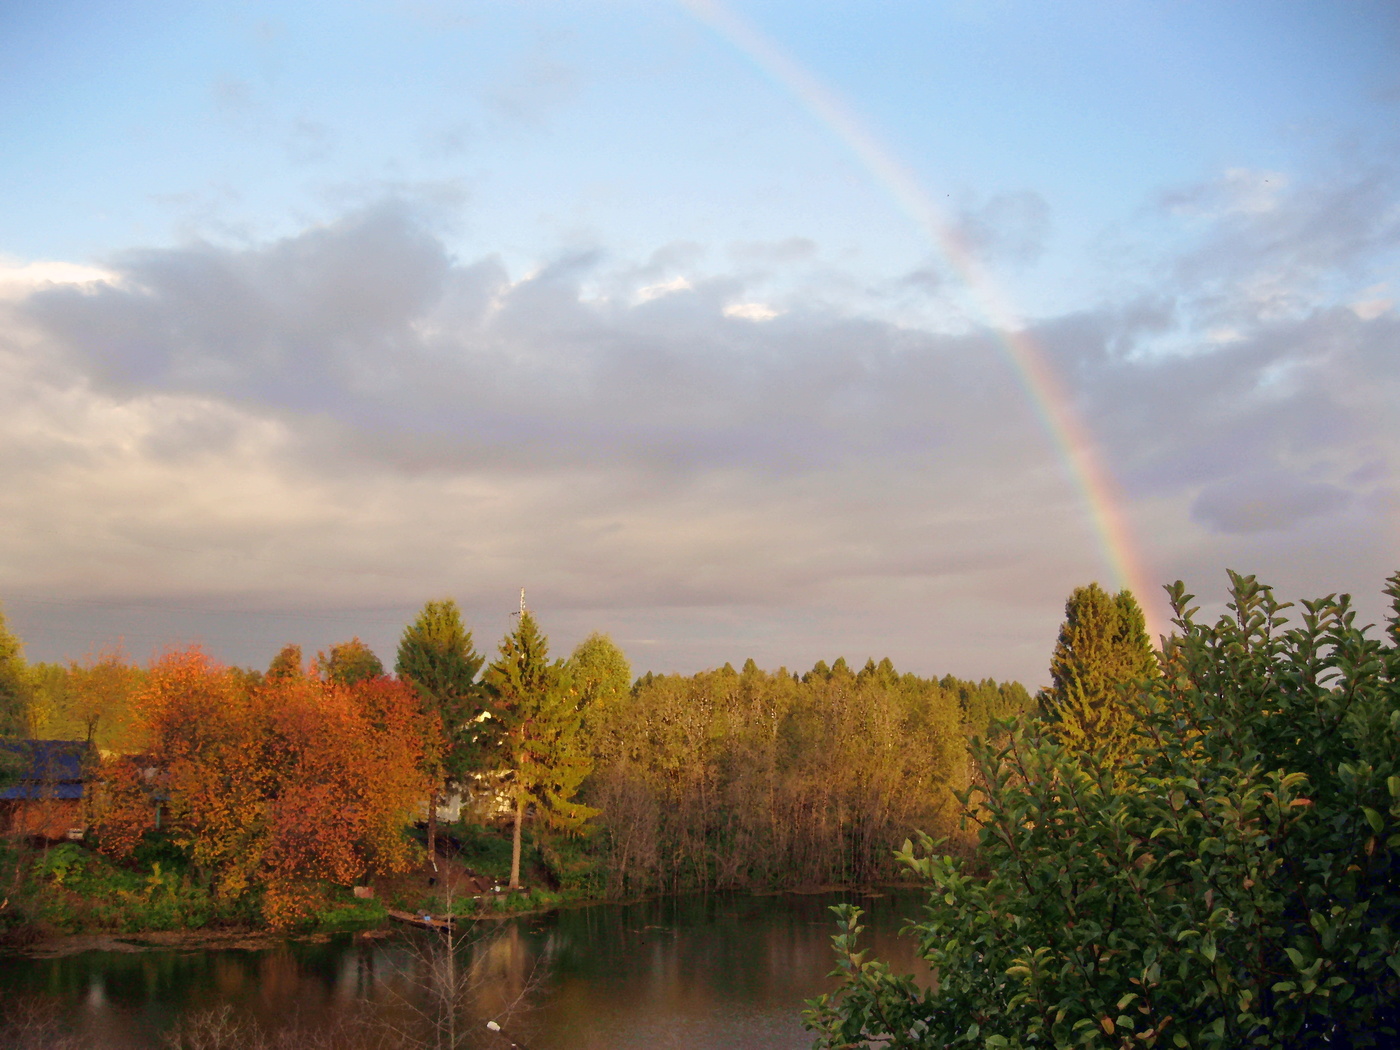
<point x="313" y="312"/>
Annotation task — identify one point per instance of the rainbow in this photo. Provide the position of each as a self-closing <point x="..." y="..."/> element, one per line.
<point x="1044" y="389"/>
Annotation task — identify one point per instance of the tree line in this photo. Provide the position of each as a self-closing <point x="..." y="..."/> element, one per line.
<point x="719" y="779"/>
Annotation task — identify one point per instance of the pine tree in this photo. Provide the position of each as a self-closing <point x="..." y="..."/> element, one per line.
<point x="437" y="657"/>
<point x="540" y="713"/>
<point x="1101" y="658"/>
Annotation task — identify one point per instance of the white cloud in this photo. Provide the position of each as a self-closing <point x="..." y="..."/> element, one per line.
<point x="1375" y="304"/>
<point x="751" y="311"/>
<point x="655" y="291"/>
<point x="18" y="279"/>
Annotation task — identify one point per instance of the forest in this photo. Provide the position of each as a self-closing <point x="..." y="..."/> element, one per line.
<point x="287" y="785"/>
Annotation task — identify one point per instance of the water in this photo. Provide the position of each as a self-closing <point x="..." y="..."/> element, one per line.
<point x="717" y="971"/>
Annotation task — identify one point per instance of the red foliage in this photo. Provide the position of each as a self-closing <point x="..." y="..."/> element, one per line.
<point x="286" y="785"/>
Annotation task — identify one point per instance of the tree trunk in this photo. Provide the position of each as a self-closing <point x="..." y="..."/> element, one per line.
<point x="515" y="841"/>
<point x="432" y="828"/>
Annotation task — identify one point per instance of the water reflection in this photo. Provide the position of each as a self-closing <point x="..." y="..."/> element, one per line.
<point x="699" y="972"/>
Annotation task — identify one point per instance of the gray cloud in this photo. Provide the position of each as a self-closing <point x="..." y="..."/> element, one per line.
<point x="354" y="418"/>
<point x="1265" y="502"/>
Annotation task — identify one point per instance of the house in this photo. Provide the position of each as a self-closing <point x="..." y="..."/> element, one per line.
<point x="43" y="787"/>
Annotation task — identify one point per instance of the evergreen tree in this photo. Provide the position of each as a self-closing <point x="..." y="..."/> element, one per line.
<point x="437" y="657"/>
<point x="1101" y="659"/>
<point x="540" y="714"/>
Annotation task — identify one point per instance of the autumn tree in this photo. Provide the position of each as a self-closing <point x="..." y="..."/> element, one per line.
<point x="349" y="663"/>
<point x="1102" y="658"/>
<point x="540" y="714"/>
<point x="600" y="670"/>
<point x="287" y="663"/>
<point x="739" y="779"/>
<point x="437" y="657"/>
<point x="282" y="788"/>
<point x="16" y="690"/>
<point x="99" y="694"/>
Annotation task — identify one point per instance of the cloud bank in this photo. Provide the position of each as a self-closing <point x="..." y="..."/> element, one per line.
<point x="695" y="459"/>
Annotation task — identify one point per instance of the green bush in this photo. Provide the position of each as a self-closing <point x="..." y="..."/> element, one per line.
<point x="59" y="863"/>
<point x="1232" y="884"/>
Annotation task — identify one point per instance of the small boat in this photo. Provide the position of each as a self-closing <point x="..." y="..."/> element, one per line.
<point x="421" y="919"/>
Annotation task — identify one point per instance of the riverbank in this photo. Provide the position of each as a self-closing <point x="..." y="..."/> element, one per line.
<point x="67" y="898"/>
<point x="56" y="895"/>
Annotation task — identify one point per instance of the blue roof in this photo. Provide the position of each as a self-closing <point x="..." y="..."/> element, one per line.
<point x="43" y="769"/>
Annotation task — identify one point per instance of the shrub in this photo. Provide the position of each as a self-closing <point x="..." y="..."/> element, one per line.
<point x="1232" y="884"/>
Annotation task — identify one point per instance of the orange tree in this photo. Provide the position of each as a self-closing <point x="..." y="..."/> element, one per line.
<point x="281" y="788"/>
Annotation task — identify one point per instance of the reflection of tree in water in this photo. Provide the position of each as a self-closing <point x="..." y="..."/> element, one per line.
<point x="447" y="987"/>
<point x="418" y="991"/>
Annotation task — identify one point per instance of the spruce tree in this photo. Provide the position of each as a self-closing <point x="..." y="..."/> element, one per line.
<point x="1102" y="657"/>
<point x="437" y="658"/>
<point x="540" y="714"/>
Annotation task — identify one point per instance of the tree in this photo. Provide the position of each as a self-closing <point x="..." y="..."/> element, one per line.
<point x="287" y="663"/>
<point x="1233" y="883"/>
<point x="349" y="663"/>
<point x="540" y="714"/>
<point x="16" y="690"/>
<point x="99" y="700"/>
<point x="437" y="658"/>
<point x="278" y="789"/>
<point x="1102" y="656"/>
<point x="600" y="671"/>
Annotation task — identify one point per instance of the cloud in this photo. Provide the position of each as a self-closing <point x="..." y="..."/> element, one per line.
<point x="1265" y="502"/>
<point x="1008" y="228"/>
<point x="1266" y="248"/>
<point x="354" y="417"/>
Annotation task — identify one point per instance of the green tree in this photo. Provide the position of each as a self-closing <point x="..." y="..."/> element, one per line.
<point x="1102" y="657"/>
<point x="540" y="713"/>
<point x="16" y="688"/>
<point x="436" y="655"/>
<point x="1233" y="884"/>
<point x="600" y="670"/>
<point x="286" y="664"/>
<point x="349" y="663"/>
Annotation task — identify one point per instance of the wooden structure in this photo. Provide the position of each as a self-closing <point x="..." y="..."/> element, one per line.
<point x="424" y="921"/>
<point x="43" y="787"/>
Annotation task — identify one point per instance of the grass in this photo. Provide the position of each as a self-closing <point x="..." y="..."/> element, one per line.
<point x="71" y="888"/>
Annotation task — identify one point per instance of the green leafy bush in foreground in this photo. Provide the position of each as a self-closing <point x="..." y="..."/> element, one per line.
<point x="1232" y="884"/>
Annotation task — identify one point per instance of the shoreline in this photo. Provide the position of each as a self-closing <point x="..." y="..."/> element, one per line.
<point x="63" y="945"/>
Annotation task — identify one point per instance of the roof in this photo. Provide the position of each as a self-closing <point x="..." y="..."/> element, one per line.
<point x="43" y="769"/>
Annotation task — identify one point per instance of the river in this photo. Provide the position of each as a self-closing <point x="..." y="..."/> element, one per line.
<point x="701" y="972"/>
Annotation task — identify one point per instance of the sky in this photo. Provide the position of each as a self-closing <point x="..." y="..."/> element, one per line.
<point x="732" y="329"/>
